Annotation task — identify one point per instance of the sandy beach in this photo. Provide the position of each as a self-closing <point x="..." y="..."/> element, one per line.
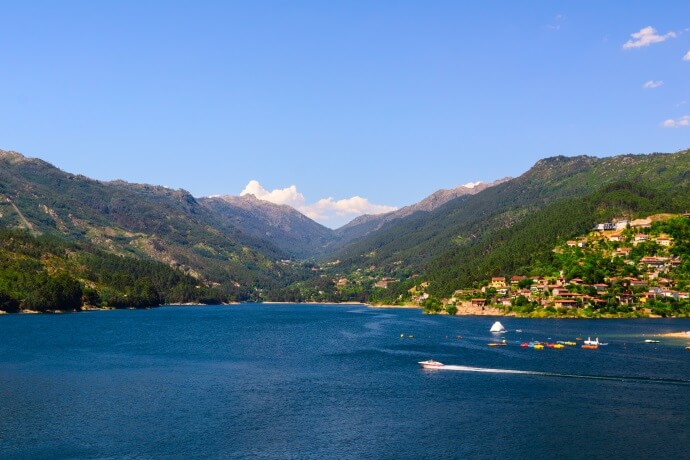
<point x="393" y="306"/>
<point x="676" y="335"/>
<point x="473" y="310"/>
<point x="467" y="310"/>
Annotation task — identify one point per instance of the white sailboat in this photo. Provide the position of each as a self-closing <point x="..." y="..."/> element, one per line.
<point x="497" y="327"/>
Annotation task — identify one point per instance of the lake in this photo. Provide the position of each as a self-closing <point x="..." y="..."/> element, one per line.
<point x="324" y="381"/>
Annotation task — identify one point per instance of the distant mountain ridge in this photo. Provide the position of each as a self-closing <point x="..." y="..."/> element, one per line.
<point x="288" y="229"/>
<point x="368" y="223"/>
<point x="442" y="196"/>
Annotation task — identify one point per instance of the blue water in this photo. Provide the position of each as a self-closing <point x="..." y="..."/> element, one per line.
<point x="306" y="381"/>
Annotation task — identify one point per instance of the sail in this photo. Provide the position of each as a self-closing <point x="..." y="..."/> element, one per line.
<point x="497" y="327"/>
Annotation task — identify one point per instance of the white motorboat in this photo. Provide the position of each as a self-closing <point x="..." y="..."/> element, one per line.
<point x="431" y="364"/>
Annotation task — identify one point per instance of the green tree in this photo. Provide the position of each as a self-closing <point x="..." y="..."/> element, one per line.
<point x="60" y="292"/>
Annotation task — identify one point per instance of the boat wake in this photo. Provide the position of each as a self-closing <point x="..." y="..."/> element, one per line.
<point x="570" y="376"/>
<point x="487" y="370"/>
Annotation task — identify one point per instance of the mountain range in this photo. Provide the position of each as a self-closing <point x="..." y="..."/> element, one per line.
<point x="128" y="218"/>
<point x="255" y="249"/>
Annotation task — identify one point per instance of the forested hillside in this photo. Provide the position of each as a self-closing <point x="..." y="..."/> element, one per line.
<point x="424" y="242"/>
<point x="141" y="221"/>
<point x="47" y="273"/>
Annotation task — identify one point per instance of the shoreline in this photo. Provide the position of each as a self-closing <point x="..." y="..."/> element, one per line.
<point x="308" y="303"/>
<point x="461" y="311"/>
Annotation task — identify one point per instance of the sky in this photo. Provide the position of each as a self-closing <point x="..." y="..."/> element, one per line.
<point x="338" y="108"/>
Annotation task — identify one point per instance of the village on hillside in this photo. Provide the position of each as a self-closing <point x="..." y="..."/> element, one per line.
<point x="621" y="268"/>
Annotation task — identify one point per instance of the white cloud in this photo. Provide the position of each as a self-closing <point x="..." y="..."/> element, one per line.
<point x="289" y="195"/>
<point x="677" y="123"/>
<point x="645" y="37"/>
<point x="651" y="84"/>
<point x="326" y="211"/>
<point x="687" y="56"/>
<point x="472" y="184"/>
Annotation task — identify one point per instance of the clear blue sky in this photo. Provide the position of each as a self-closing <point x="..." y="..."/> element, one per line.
<point x="387" y="100"/>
